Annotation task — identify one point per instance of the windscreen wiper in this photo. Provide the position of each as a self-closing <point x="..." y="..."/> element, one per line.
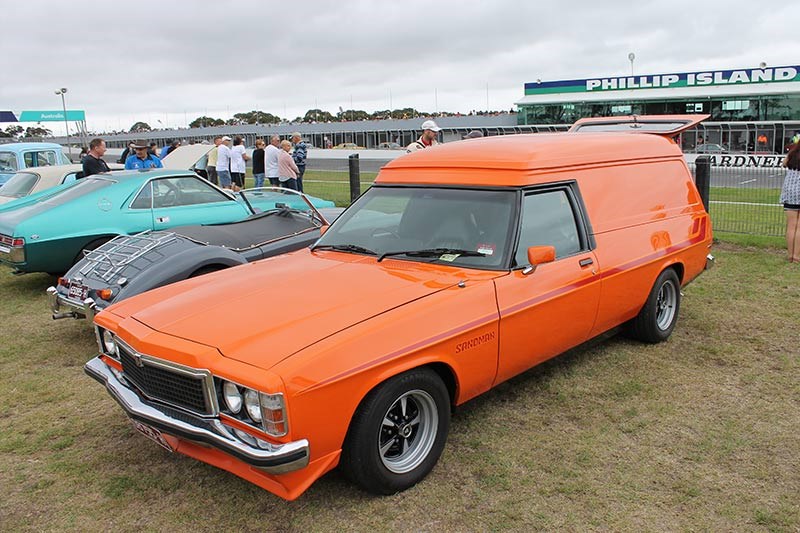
<point x="344" y="248"/>
<point x="433" y="252"/>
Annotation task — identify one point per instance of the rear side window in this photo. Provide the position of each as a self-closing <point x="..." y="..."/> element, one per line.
<point x="548" y="219"/>
<point x="144" y="200"/>
<point x="41" y="158"/>
<point x="21" y="184"/>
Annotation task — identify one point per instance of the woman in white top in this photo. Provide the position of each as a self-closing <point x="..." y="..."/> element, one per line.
<point x="238" y="165"/>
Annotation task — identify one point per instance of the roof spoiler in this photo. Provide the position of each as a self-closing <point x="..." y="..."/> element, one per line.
<point x="665" y="125"/>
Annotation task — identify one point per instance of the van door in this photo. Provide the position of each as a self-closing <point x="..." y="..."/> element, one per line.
<point x="553" y="308"/>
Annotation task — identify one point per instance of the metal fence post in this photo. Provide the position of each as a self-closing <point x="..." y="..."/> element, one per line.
<point x="355" y="177"/>
<point x="702" y="178"/>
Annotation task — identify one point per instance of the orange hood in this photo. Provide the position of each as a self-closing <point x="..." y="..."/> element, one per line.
<point x="265" y="311"/>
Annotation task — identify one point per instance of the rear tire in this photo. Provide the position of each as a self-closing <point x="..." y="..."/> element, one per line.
<point x="657" y="319"/>
<point x="95" y="244"/>
<point x="398" y="433"/>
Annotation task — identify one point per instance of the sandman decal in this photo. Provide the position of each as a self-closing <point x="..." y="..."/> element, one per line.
<point x="477" y="341"/>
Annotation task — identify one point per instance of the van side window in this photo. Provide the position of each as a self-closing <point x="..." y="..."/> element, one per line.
<point x="547" y="219"/>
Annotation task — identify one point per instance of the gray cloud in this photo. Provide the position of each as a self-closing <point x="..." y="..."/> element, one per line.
<point x="173" y="61"/>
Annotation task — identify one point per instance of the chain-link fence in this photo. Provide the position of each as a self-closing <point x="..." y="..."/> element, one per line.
<point x="746" y="199"/>
<point x="330" y="178"/>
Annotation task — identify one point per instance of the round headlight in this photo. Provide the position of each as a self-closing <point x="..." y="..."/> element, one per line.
<point x="233" y="398"/>
<point x="252" y="405"/>
<point x="109" y="343"/>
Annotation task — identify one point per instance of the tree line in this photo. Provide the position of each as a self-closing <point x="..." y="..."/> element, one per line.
<point x="16" y="131"/>
<point x="311" y="116"/>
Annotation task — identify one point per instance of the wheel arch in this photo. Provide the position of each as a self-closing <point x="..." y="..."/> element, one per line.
<point x="679" y="269"/>
<point x="445" y="372"/>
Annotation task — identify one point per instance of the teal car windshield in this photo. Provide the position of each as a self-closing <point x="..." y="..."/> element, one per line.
<point x="463" y="227"/>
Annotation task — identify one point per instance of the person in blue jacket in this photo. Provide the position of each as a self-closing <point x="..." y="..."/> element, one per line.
<point x="141" y="158"/>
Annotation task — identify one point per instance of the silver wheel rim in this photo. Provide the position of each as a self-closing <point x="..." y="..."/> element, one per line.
<point x="408" y="431"/>
<point x="666" y="303"/>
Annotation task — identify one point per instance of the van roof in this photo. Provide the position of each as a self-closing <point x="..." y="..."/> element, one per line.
<point x="530" y="153"/>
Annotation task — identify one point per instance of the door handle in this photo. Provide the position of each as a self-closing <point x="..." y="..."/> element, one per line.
<point x="585" y="262"/>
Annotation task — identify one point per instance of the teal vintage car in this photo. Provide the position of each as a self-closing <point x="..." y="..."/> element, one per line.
<point x="48" y="231"/>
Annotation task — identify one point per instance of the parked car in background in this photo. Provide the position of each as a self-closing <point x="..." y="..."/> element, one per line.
<point x="710" y="148"/>
<point x="132" y="264"/>
<point x="348" y="146"/>
<point x="17" y="156"/>
<point x="390" y="146"/>
<point x="37" y="179"/>
<point x="47" y="231"/>
<point x="460" y="268"/>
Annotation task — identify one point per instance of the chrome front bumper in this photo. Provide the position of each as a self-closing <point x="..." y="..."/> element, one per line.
<point x="63" y="307"/>
<point x="270" y="458"/>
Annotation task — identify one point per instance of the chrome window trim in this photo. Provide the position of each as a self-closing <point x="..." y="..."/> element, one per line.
<point x="209" y="394"/>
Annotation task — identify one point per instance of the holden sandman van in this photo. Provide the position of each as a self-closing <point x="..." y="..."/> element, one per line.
<point x="464" y="265"/>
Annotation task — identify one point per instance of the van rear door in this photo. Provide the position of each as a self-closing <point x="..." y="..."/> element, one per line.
<point x="665" y="125"/>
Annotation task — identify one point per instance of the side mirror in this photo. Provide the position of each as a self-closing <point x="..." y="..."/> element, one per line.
<point x="538" y="255"/>
<point x="322" y="230"/>
<point x="541" y="254"/>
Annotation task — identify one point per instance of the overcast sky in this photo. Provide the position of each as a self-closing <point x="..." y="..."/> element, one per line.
<point x="174" y="60"/>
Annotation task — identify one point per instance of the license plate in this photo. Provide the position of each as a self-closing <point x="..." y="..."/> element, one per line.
<point x="152" y="434"/>
<point x="78" y="291"/>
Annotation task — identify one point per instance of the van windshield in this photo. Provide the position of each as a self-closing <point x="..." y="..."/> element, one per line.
<point x="462" y="227"/>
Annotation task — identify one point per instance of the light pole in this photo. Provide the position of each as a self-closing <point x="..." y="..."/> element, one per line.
<point x="62" y="91"/>
<point x="631" y="57"/>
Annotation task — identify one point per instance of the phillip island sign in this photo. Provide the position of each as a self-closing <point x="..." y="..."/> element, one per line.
<point x="665" y="81"/>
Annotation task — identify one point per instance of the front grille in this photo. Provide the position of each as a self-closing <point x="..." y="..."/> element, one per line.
<point x="165" y="385"/>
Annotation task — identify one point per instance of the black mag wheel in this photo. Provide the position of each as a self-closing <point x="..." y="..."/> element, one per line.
<point x="398" y="433"/>
<point x="658" y="316"/>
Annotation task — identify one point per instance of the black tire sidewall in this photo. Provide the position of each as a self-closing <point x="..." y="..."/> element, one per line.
<point x="361" y="461"/>
<point x="645" y="325"/>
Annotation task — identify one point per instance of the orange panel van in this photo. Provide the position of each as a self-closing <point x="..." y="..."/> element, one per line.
<point x="464" y="265"/>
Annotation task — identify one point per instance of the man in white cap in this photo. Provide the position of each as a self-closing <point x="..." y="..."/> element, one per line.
<point x="224" y="163"/>
<point x="428" y="137"/>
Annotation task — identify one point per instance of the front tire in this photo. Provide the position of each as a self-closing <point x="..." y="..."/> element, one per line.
<point x="398" y="433"/>
<point x="657" y="319"/>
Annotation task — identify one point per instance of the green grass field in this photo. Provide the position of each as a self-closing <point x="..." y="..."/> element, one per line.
<point x="699" y="433"/>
